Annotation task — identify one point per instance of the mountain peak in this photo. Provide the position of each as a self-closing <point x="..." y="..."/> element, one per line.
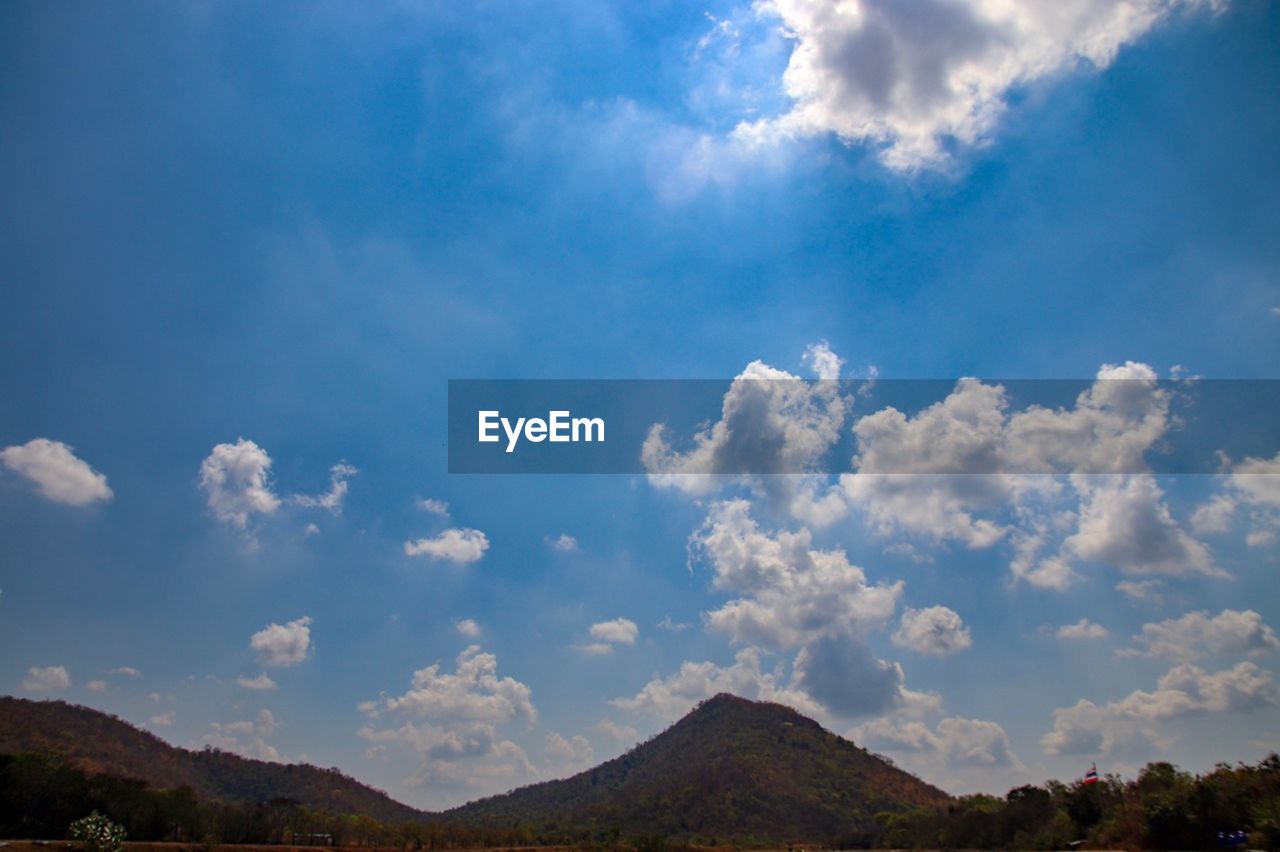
<point x="753" y="771"/>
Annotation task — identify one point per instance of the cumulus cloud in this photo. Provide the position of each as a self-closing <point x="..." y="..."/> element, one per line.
<point x="247" y="738"/>
<point x="980" y="473"/>
<point x="434" y="507"/>
<point x="1197" y="634"/>
<point x="261" y="683"/>
<point x="563" y="543"/>
<point x="961" y="743"/>
<point x="1253" y="485"/>
<point x="911" y="78"/>
<point x="670" y="698"/>
<point x="331" y="499"/>
<point x="843" y="674"/>
<point x="935" y="630"/>
<point x="1141" y="591"/>
<point x="468" y="627"/>
<point x="46" y="679"/>
<point x="1124" y="522"/>
<point x="451" y="722"/>
<point x="788" y="592"/>
<point x="163" y="720"/>
<point x="619" y="732"/>
<point x="236" y="481"/>
<point x="1185" y="690"/>
<point x="619" y="631"/>
<point x="56" y="472"/>
<point x="460" y="546"/>
<point x="566" y="756"/>
<point x="96" y="686"/>
<point x="771" y="422"/>
<point x="1082" y="629"/>
<point x="127" y="671"/>
<point x="283" y="645"/>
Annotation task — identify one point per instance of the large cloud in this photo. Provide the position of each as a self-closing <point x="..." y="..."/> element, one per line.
<point x="671" y="697"/>
<point x="1124" y="522"/>
<point x="283" y="645"/>
<point x="1185" y="690"/>
<point x="967" y="469"/>
<point x="451" y="722"/>
<point x="909" y="76"/>
<point x="961" y="743"/>
<point x="1197" y="634"/>
<point x="771" y="423"/>
<point x="789" y="593"/>
<point x="57" y="473"/>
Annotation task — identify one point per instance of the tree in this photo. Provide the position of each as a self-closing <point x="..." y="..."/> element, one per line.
<point x="96" y="833"/>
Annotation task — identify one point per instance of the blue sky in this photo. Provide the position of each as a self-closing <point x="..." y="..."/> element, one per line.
<point x="291" y="225"/>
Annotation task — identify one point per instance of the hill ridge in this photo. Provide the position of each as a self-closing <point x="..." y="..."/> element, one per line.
<point x="99" y="742"/>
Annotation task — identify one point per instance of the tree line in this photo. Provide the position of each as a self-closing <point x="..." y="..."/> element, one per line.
<point x="1163" y="808"/>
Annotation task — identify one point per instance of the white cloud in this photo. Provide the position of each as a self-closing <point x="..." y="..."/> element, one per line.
<point x="1082" y="629"/>
<point x="593" y="649"/>
<point x="261" y="683"/>
<point x="669" y="624"/>
<point x="909" y="77"/>
<point x="331" y="499"/>
<point x="621" y="733"/>
<point x="771" y="422"/>
<point x="1142" y="591"/>
<point x="235" y="479"/>
<point x="283" y="645"/>
<point x="564" y="543"/>
<point x="961" y="743"/>
<point x="824" y="363"/>
<point x="619" y="631"/>
<point x="461" y="546"/>
<point x="57" y="473"/>
<point x="1124" y="522"/>
<point x="96" y="686"/>
<point x="1254" y="485"/>
<point x="468" y="627"/>
<point x="163" y="720"/>
<point x="46" y="679"/>
<point x="1185" y="690"/>
<point x="246" y="738"/>
<point x="566" y="756"/>
<point x="451" y="723"/>
<point x="669" y="698"/>
<point x="789" y="593"/>
<point x="935" y="630"/>
<point x="127" y="671"/>
<point x="434" y="507"/>
<point x="1197" y="633"/>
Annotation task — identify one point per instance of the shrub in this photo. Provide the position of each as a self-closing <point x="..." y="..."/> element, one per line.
<point x="96" y="833"/>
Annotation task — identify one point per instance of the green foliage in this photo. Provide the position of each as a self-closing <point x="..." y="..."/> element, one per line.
<point x="1163" y="808"/>
<point x="96" y="833"/>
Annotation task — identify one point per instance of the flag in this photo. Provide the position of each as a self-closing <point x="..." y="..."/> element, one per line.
<point x="1091" y="777"/>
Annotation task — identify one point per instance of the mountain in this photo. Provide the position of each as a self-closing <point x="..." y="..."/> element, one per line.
<point x="96" y="742"/>
<point x="751" y="771"/>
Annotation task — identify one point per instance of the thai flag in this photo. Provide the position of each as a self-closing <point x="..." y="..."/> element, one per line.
<point x="1091" y="777"/>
